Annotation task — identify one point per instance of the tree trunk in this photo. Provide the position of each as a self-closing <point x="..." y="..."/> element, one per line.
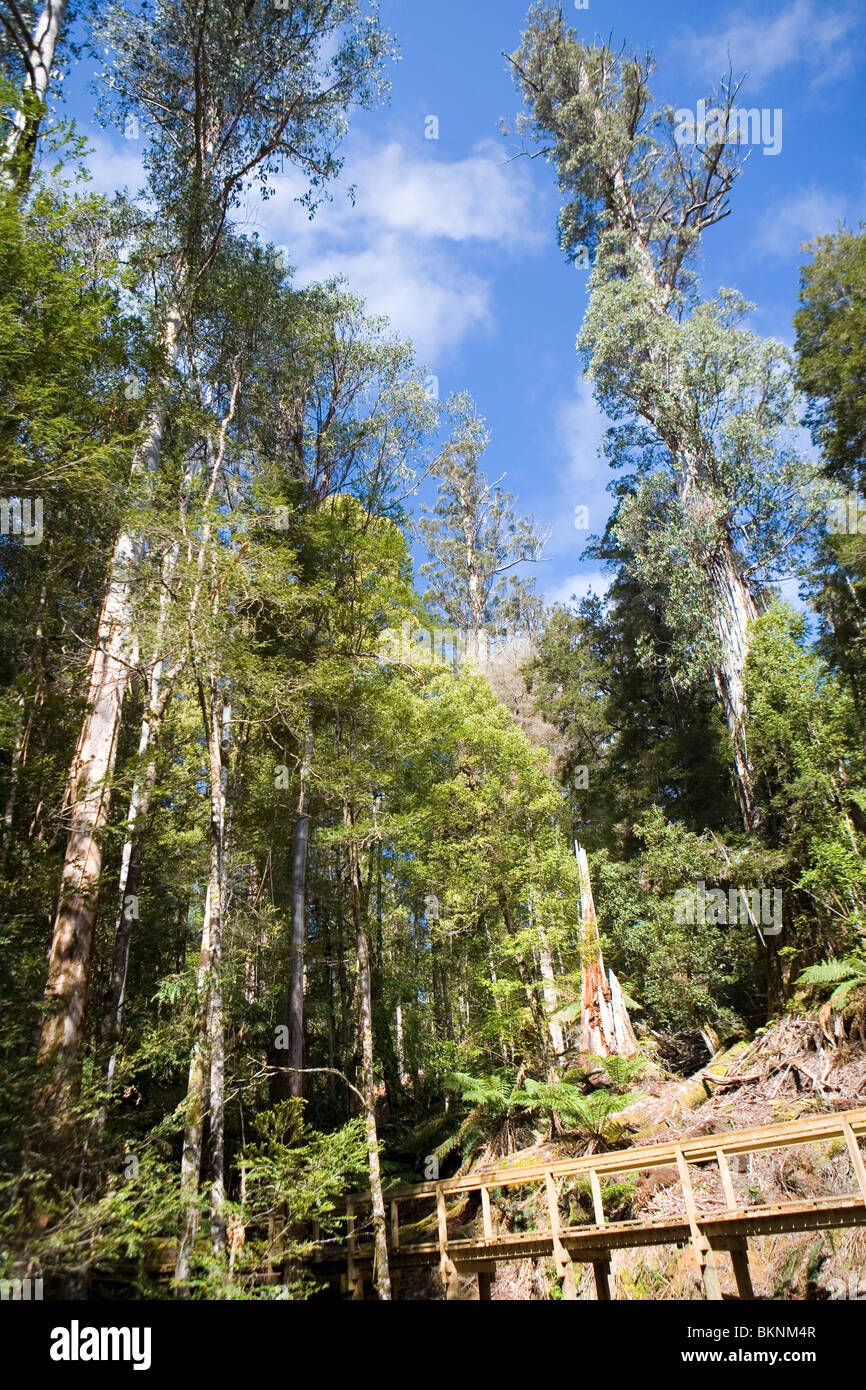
<point x="604" y="1023"/>
<point x="21" y="139"/>
<point x="381" y="1273"/>
<point x="136" y="816"/>
<point x="298" y="938"/>
<point x="22" y="733"/>
<point x="207" y="1064"/>
<point x="551" y="999"/>
<point x="734" y="609"/>
<point x="88" y="795"/>
<point x="190" y="1167"/>
<point x="221" y="734"/>
<point x="401" y="1051"/>
<point x="535" y="1009"/>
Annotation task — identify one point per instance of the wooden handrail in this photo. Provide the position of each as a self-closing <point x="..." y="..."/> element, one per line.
<point x="707" y="1232"/>
<point x="704" y="1149"/>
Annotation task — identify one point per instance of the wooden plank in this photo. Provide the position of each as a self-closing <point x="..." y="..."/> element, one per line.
<point x="486" y="1215"/>
<point x="601" y="1270"/>
<point x="727" y="1181"/>
<point x="395" y="1225"/>
<point x="598" y="1204"/>
<point x="700" y="1244"/>
<point x="856" y="1155"/>
<point x="562" y="1259"/>
<point x="354" y="1279"/>
<point x="485" y="1283"/>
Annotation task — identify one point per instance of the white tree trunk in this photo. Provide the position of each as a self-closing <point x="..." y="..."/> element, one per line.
<point x="551" y="998"/>
<point x="139" y="803"/>
<point x="381" y="1271"/>
<point x="734" y="609"/>
<point x="88" y="795"/>
<point x="604" y="1023"/>
<point x="401" y="1051"/>
<point x="38" y="69"/>
<point x="190" y="1166"/>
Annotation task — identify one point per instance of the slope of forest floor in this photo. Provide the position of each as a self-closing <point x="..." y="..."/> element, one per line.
<point x="798" y="1066"/>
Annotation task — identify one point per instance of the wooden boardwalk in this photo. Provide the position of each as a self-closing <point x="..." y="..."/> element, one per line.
<point x="710" y="1230"/>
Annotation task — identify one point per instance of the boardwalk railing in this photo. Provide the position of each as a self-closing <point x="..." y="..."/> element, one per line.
<point x="709" y="1231"/>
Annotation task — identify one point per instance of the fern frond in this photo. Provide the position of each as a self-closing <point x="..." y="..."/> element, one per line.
<point x="826" y="972"/>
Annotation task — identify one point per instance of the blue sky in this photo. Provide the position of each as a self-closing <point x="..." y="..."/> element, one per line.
<point x="456" y="242"/>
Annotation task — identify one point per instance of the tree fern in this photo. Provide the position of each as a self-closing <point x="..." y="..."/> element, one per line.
<point x="847" y="974"/>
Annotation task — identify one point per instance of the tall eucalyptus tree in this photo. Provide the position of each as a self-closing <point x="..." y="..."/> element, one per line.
<point x="228" y="94"/>
<point x="717" y="501"/>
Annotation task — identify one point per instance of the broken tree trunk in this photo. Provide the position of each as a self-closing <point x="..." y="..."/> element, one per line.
<point x="605" y="1027"/>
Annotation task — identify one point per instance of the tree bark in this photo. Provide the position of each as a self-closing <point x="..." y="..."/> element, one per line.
<point x="734" y="610"/>
<point x="207" y="1064"/>
<point x="381" y="1272"/>
<point x="535" y="1009"/>
<point x="190" y="1167"/>
<point x="136" y="816"/>
<point x="551" y="999"/>
<point x="216" y="1023"/>
<point x="88" y="795"/>
<point x="207" y="1061"/>
<point x="605" y="1028"/>
<point x="298" y="937"/>
<point x="21" y="139"/>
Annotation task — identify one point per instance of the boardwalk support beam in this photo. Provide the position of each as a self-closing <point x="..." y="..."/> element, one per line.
<point x="703" y="1251"/>
<point x="726" y="1227"/>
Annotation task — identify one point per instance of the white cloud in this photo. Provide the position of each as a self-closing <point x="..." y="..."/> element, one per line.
<point x="578" y="586"/>
<point x="578" y="426"/>
<point x="801" y="33"/>
<point x="422" y="292"/>
<point x="581" y="475"/>
<point x="115" y="164"/>
<point x="479" y="198"/>
<point x="782" y="230"/>
<point x="408" y="242"/>
<point x="419" y="242"/>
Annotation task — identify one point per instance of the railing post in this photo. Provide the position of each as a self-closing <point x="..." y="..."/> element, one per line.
<point x="561" y="1257"/>
<point x="486" y="1214"/>
<point x="856" y="1155"/>
<point x="701" y="1246"/>
<point x="601" y="1268"/>
<point x="446" y="1266"/>
<point x="739" y="1252"/>
<point x="727" y="1181"/>
<point x="356" y="1283"/>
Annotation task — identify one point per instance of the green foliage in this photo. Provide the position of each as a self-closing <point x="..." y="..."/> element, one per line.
<point x="273" y="560"/>
<point x="845" y="976"/>
<point x="500" y="1102"/>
